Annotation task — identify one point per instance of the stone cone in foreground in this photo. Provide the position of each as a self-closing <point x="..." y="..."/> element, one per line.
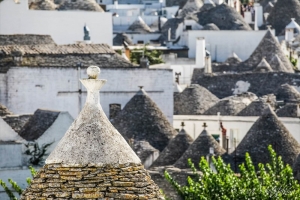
<point x="92" y="160"/>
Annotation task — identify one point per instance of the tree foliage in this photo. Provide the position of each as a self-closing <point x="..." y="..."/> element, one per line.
<point x="272" y="181"/>
<point x="154" y="56"/>
<point x="37" y="154"/>
<point x="15" y="187"/>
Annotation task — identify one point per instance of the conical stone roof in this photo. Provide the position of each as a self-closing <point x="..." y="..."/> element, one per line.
<point x="281" y="14"/>
<point x="233" y="60"/>
<point x="190" y="7"/>
<point x="176" y="147"/>
<point x="224" y="17"/>
<point x="139" y="26"/>
<point x="120" y="38"/>
<point x="88" y="5"/>
<point x="277" y="64"/>
<point x="42" y="5"/>
<point x="288" y="110"/>
<point x="231" y="105"/>
<point x="141" y="119"/>
<point x="287" y="93"/>
<point x="200" y="147"/>
<point x="256" y="108"/>
<point x="263" y="66"/>
<point x="210" y="27"/>
<point x="194" y="100"/>
<point x="92" y="160"/>
<point x="268" y="130"/>
<point x="268" y="48"/>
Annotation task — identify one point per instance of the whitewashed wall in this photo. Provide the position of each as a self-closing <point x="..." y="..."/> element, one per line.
<point x="17" y="175"/>
<point x="222" y="44"/>
<point x="236" y="125"/>
<point x="7" y="133"/>
<point x="56" y="131"/>
<point x="10" y="155"/>
<point x="65" y="27"/>
<point x="33" y="88"/>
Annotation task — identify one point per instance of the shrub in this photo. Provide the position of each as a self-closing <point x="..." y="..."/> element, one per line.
<point x="273" y="180"/>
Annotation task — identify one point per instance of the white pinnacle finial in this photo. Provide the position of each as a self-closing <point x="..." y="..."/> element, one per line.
<point x="93" y="72"/>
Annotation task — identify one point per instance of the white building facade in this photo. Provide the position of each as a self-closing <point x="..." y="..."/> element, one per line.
<point x="25" y="89"/>
<point x="65" y="27"/>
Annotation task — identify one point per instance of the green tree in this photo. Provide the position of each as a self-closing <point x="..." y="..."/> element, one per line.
<point x="154" y="56"/>
<point x="15" y="187"/>
<point x="272" y="181"/>
<point x="37" y="154"/>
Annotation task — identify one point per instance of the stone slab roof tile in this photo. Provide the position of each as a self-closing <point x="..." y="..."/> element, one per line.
<point x="87" y="5"/>
<point x="120" y="38"/>
<point x="268" y="130"/>
<point x="190" y="7"/>
<point x="281" y="14"/>
<point x="143" y="150"/>
<point x="256" y="108"/>
<point x="194" y="100"/>
<point x="25" y="39"/>
<point x="268" y="48"/>
<point x="175" y="149"/>
<point x="287" y="93"/>
<point x="224" y="17"/>
<point x="139" y="26"/>
<point x="288" y="110"/>
<point x="231" y="105"/>
<point x="141" y="119"/>
<point x="61" y="56"/>
<point x="200" y="147"/>
<point x="42" y="5"/>
<point x="38" y="124"/>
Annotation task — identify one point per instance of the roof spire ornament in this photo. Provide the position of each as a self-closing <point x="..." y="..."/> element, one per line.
<point x="182" y="125"/>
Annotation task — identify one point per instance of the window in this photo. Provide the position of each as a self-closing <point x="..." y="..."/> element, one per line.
<point x="140" y="42"/>
<point x="114" y="109"/>
<point x="188" y="27"/>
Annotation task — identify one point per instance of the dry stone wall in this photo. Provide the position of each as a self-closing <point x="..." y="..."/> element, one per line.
<point x="123" y="181"/>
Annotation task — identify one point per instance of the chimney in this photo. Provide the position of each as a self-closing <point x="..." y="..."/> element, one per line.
<point x="258" y="15"/>
<point x="200" y="52"/>
<point x="116" y="4"/>
<point x="289" y="30"/>
<point x="144" y="62"/>
<point x="207" y="68"/>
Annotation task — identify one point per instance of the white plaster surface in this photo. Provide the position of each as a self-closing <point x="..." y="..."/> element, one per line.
<point x="221" y="44"/>
<point x="7" y="133"/>
<point x="56" y="131"/>
<point x="241" y="87"/>
<point x="56" y="88"/>
<point x="237" y="126"/>
<point x="65" y="27"/>
<point x="10" y="155"/>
